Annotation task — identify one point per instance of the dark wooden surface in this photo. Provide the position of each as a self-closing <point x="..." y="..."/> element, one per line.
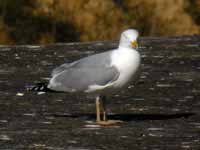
<point x="161" y="111"/>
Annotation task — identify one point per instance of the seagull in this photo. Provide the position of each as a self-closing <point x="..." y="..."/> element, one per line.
<point x="100" y="73"/>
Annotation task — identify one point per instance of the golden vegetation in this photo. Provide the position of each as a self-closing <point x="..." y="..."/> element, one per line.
<point x="4" y="36"/>
<point x="96" y="20"/>
<point x="163" y="17"/>
<point x="47" y="21"/>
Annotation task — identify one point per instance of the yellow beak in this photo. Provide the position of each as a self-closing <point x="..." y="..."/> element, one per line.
<point x="134" y="44"/>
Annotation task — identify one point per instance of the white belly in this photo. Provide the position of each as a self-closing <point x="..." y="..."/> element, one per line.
<point x="127" y="62"/>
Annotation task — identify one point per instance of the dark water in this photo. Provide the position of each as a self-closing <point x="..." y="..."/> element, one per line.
<point x="161" y="111"/>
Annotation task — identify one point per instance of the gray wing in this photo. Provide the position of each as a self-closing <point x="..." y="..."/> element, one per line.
<point x="79" y="79"/>
<point x="61" y="68"/>
<point x="97" y="60"/>
<point x="79" y="75"/>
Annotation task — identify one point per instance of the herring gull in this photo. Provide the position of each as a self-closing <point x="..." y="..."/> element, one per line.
<point x="99" y="73"/>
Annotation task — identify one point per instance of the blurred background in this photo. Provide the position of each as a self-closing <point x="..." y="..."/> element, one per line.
<point x="49" y="21"/>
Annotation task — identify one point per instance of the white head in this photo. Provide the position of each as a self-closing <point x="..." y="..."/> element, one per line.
<point x="129" y="39"/>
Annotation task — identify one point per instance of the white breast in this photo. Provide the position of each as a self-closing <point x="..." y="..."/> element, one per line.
<point x="127" y="62"/>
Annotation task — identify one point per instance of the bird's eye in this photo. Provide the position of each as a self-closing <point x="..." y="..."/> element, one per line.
<point x="126" y="37"/>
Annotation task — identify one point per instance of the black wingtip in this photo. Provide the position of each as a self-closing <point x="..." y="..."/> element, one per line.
<point x="39" y="87"/>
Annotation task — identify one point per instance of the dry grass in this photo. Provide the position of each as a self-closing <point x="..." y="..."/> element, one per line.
<point x="163" y="17"/>
<point x="4" y="35"/>
<point x="95" y="19"/>
<point x="105" y="20"/>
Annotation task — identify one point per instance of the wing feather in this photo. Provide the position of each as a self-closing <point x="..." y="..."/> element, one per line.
<point x="79" y="79"/>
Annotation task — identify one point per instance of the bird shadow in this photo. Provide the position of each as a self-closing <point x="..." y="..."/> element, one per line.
<point x="127" y="117"/>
